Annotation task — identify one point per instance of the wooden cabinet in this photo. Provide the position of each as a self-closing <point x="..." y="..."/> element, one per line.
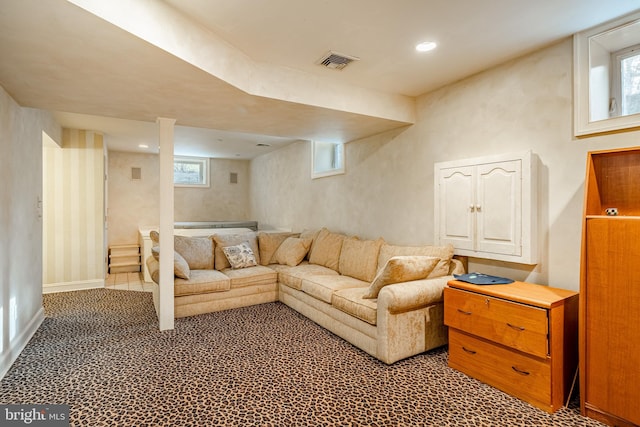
<point x="610" y="289"/>
<point x="486" y="207"/>
<point x="521" y="338"/>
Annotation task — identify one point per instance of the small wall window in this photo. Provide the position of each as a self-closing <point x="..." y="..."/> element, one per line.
<point x="327" y="158"/>
<point x="190" y="171"/>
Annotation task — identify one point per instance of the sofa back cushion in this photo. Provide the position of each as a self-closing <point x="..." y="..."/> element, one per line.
<point x="359" y="258"/>
<point x="445" y="253"/>
<point x="292" y="251"/>
<point x="326" y="248"/>
<point x="197" y="251"/>
<point x="224" y="240"/>
<point x="268" y="244"/>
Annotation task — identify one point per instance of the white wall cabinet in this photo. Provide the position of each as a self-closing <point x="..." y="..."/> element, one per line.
<point x="487" y="207"/>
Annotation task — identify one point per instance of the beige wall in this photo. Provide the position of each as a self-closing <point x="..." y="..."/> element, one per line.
<point x="21" y="136"/>
<point x="73" y="229"/>
<point x="136" y="203"/>
<point x="525" y="104"/>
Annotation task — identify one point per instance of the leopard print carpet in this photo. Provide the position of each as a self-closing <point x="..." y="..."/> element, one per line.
<point x="100" y="351"/>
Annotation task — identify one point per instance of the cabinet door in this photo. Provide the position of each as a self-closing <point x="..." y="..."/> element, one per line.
<point x="499" y="208"/>
<point x="457" y="205"/>
<point x="612" y="328"/>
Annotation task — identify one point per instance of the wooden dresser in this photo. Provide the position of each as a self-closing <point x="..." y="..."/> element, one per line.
<point x="521" y="338"/>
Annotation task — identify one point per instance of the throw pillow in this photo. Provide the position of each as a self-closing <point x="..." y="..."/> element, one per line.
<point x="224" y="240"/>
<point x="180" y="267"/>
<point x="359" y="258"/>
<point x="240" y="256"/>
<point x="401" y="269"/>
<point x="268" y="243"/>
<point x="326" y="248"/>
<point x="292" y="251"/>
<point x="445" y="253"/>
<point x="155" y="237"/>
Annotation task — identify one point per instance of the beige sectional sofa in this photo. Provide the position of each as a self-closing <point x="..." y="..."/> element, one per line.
<point x="385" y="299"/>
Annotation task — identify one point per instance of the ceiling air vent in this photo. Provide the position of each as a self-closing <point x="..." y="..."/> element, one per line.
<point x="336" y="61"/>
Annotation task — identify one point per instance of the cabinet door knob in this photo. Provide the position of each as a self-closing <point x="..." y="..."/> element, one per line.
<point x="478" y="208"/>
<point x="517" y="328"/>
<point x="472" y="208"/>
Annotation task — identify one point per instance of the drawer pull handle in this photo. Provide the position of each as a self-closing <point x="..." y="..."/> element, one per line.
<point x="517" y="328"/>
<point x="520" y="371"/>
<point x="468" y="351"/>
<point x="468" y="313"/>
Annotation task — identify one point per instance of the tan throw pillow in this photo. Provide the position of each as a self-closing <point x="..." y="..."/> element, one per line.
<point x="292" y="251"/>
<point x="180" y="267"/>
<point x="401" y="269"/>
<point x="240" y="256"/>
<point x="268" y="243"/>
<point x="155" y="237"/>
<point x="197" y="251"/>
<point x="326" y="248"/>
<point x="445" y="253"/>
<point x="224" y="240"/>
<point x="359" y="258"/>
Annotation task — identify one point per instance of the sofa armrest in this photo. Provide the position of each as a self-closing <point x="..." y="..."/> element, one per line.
<point x="154" y="269"/>
<point x="407" y="296"/>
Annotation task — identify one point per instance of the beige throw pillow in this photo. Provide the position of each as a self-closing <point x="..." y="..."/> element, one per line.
<point x="268" y="243"/>
<point x="326" y="248"/>
<point x="180" y="267"/>
<point x="292" y="251"/>
<point x="359" y="258"/>
<point x="399" y="269"/>
<point x="445" y="253"/>
<point x="240" y="256"/>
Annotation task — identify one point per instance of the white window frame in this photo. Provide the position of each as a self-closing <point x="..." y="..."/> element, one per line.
<point x="203" y="163"/>
<point x="616" y="59"/>
<point x="327" y="159"/>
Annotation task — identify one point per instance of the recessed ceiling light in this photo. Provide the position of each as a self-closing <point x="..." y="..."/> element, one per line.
<point x="143" y="146"/>
<point x="426" y="46"/>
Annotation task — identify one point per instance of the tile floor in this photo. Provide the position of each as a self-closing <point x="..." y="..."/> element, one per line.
<point x="127" y="282"/>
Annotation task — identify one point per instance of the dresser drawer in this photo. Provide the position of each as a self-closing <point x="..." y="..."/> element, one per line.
<point x="523" y="376"/>
<point x="515" y="325"/>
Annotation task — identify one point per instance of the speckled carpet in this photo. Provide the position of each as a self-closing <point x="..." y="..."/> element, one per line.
<point x="100" y="352"/>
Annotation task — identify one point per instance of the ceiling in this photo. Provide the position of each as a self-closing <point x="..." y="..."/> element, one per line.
<point x="237" y="73"/>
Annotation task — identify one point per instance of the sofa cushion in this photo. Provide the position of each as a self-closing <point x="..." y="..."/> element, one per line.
<point x="257" y="275"/>
<point x="325" y="249"/>
<point x="240" y="256"/>
<point x="200" y="282"/>
<point x="223" y="240"/>
<point x="293" y="276"/>
<point x="292" y="251"/>
<point x="197" y="251"/>
<point x="359" y="258"/>
<point x="445" y="253"/>
<point x="351" y="302"/>
<point x="323" y="286"/>
<point x="268" y="243"/>
<point x="399" y="269"/>
<point x="180" y="267"/>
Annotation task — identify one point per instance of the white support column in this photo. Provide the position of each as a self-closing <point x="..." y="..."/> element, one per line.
<point x="165" y="305"/>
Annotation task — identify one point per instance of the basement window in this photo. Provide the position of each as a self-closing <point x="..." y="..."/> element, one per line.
<point x="190" y="171"/>
<point x="327" y="159"/>
<point x="626" y="82"/>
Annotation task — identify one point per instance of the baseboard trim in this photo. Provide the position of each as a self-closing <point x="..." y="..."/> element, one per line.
<point x="48" y="288"/>
<point x="20" y="342"/>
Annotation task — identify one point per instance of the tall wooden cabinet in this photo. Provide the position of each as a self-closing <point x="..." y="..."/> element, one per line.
<point x="610" y="289"/>
<point x="486" y="207"/>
